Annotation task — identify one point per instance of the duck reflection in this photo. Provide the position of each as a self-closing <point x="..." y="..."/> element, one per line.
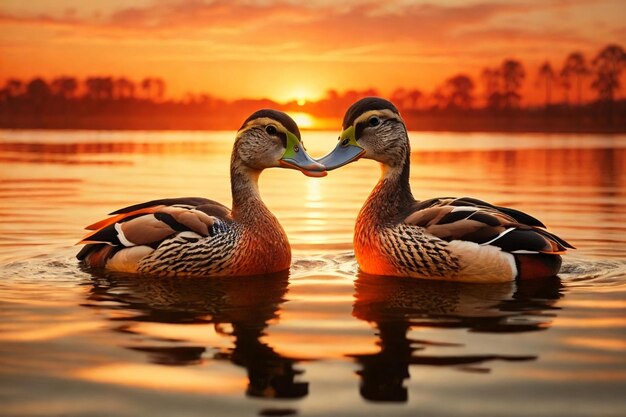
<point x="237" y="307"/>
<point x="395" y="306"/>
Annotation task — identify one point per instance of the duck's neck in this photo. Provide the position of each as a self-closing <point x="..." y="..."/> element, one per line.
<point x="259" y="228"/>
<point x="247" y="203"/>
<point x="392" y="195"/>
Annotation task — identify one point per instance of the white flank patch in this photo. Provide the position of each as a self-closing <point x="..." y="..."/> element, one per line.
<point x="483" y="263"/>
<point x="524" y="251"/>
<point x="121" y="237"/>
<point x="127" y="260"/>
<point x="512" y="263"/>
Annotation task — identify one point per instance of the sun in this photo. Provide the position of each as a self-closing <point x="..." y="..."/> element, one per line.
<point x="303" y="120"/>
<point x="301" y="95"/>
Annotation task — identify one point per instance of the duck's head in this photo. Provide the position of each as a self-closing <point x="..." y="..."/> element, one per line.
<point x="270" y="138"/>
<point x="372" y="129"/>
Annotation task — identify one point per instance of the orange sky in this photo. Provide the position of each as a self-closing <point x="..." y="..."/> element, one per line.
<point x="284" y="49"/>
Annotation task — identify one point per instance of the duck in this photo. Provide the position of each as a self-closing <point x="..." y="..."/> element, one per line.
<point x="198" y="236"/>
<point x="460" y="239"/>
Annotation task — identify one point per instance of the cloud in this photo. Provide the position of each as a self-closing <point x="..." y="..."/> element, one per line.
<point x="357" y="31"/>
<point x="271" y="19"/>
<point x="417" y="41"/>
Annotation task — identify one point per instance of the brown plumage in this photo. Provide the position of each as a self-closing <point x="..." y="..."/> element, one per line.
<point x="197" y="236"/>
<point x="458" y="239"/>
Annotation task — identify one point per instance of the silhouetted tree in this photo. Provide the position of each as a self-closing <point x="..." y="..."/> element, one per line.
<point x="351" y="95"/>
<point x="491" y="80"/>
<point x="124" y="88"/>
<point x="38" y="95"/>
<point x="608" y="64"/>
<point x="14" y="87"/>
<point x="64" y="87"/>
<point x="406" y="99"/>
<point x="512" y="76"/>
<point x="146" y="87"/>
<point x="38" y="90"/>
<point x="576" y="67"/>
<point x="332" y="94"/>
<point x="547" y="77"/>
<point x="398" y="97"/>
<point x="414" y="95"/>
<point x="438" y="99"/>
<point x="153" y="88"/>
<point x="460" y="89"/>
<point x="100" y="88"/>
<point x="159" y="88"/>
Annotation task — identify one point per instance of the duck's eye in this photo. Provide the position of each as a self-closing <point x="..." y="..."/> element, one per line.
<point x="374" y="121"/>
<point x="271" y="129"/>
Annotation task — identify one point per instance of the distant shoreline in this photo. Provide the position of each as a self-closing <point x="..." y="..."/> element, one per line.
<point x="521" y="123"/>
<point x="442" y="130"/>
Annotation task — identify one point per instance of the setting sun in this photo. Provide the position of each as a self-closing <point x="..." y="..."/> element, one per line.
<point x="304" y="120"/>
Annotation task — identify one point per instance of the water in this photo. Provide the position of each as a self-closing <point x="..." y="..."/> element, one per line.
<point x="324" y="340"/>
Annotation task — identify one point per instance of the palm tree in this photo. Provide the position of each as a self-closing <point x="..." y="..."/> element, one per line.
<point x="460" y="87"/>
<point x="608" y="64"/>
<point x="575" y="66"/>
<point x="512" y="76"/>
<point x="546" y="76"/>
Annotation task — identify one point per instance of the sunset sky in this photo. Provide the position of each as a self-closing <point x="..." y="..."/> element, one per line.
<point x="287" y="50"/>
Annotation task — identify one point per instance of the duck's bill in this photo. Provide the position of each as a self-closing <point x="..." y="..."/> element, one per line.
<point x="295" y="157"/>
<point x="305" y="165"/>
<point x="341" y="156"/>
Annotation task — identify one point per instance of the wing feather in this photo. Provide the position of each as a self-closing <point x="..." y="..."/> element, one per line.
<point x="473" y="220"/>
<point x="182" y="201"/>
<point x="517" y="215"/>
<point x="148" y="224"/>
<point x="119" y="217"/>
<point x="145" y="230"/>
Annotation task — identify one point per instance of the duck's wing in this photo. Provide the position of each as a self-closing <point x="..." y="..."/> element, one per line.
<point x="468" y="219"/>
<point x="519" y="216"/>
<point x="140" y="228"/>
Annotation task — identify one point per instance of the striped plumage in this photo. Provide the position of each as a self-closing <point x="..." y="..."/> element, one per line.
<point x="197" y="236"/>
<point x="458" y="239"/>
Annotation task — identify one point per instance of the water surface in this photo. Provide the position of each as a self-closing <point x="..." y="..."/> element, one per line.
<point x="323" y="339"/>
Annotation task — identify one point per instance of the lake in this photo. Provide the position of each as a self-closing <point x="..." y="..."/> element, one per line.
<point x="322" y="340"/>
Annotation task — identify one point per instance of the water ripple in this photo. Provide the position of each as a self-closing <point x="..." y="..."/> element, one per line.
<point x="597" y="272"/>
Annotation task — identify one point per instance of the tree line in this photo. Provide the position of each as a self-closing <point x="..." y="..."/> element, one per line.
<point x="501" y="85"/>
<point x="110" y="102"/>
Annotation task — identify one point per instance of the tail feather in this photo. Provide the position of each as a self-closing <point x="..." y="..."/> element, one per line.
<point x="96" y="255"/>
<point x="537" y="265"/>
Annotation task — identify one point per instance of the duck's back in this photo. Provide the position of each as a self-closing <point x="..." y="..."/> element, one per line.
<point x="180" y="236"/>
<point x="461" y="239"/>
